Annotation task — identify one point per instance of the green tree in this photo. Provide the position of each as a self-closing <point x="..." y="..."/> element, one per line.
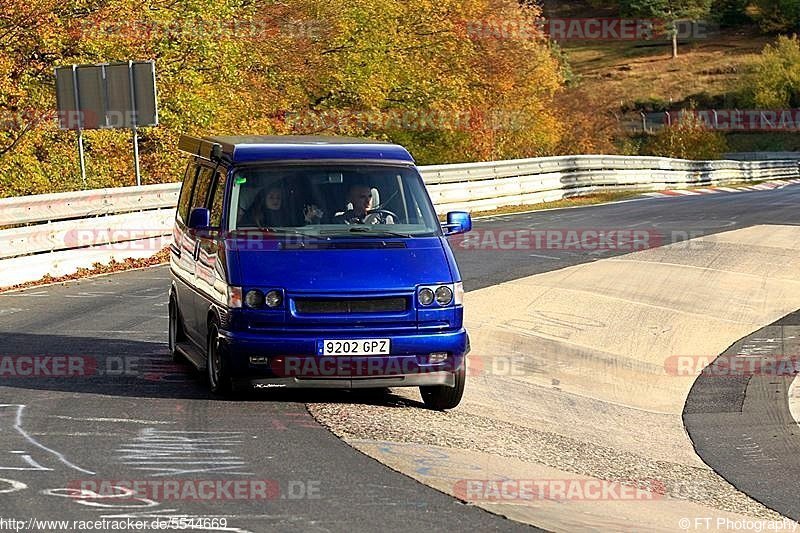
<point x="775" y="15"/>
<point x="670" y="11"/>
<point x="731" y="13"/>
<point x="775" y="81"/>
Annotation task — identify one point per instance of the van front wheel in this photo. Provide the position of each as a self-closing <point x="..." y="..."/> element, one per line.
<point x="176" y="334"/>
<point x="441" y="397"/>
<point x="219" y="380"/>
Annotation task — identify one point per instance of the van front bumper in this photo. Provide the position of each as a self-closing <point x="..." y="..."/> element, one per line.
<point x="290" y="361"/>
<point x="410" y="380"/>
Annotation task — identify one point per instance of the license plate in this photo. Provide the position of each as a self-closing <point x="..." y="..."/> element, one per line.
<point x="353" y="347"/>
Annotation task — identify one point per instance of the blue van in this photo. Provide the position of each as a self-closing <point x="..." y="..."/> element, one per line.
<point x="315" y="262"/>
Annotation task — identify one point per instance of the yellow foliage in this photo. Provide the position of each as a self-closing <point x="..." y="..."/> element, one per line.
<point x="688" y="139"/>
<point x="435" y="75"/>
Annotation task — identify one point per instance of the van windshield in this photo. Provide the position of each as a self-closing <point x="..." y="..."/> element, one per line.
<point x="332" y="200"/>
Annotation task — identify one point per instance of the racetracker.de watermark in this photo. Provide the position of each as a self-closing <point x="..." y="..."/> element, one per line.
<point x="258" y="28"/>
<point x="195" y="489"/>
<point x="365" y="366"/>
<point x="45" y="366"/>
<point x="12" y="120"/>
<point x="407" y="120"/>
<point x="496" y="239"/>
<point x="585" y="29"/>
<point x="745" y="119"/>
<point x="528" y="490"/>
<point x="588" y="239"/>
<point x="129" y="523"/>
<point x="732" y="366"/>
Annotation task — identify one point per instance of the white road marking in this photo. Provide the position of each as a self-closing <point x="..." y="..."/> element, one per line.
<point x="14" y="486"/>
<point x="125" y="420"/>
<point x="18" y="427"/>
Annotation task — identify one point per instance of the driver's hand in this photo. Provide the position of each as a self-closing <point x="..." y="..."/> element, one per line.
<point x="312" y="214"/>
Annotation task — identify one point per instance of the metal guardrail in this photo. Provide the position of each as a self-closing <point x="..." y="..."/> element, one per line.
<point x="481" y="186"/>
<point x="56" y="234"/>
<point x="762" y="156"/>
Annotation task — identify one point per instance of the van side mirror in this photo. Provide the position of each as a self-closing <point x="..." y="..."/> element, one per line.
<point x="457" y="222"/>
<point x="199" y="218"/>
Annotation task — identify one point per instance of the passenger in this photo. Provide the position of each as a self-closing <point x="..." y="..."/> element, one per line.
<point x="266" y="211"/>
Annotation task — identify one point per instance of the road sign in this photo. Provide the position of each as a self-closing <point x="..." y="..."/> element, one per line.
<point x="108" y="95"/>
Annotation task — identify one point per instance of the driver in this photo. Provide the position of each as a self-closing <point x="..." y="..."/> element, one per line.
<point x="360" y="197"/>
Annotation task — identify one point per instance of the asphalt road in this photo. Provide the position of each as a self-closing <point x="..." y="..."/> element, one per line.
<point x="128" y="414"/>
<point x="132" y="415"/>
<point x="661" y="220"/>
<point x="737" y="415"/>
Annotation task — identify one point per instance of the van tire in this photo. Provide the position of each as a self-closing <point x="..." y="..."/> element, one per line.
<point x="441" y="397"/>
<point x="176" y="331"/>
<point x="219" y="379"/>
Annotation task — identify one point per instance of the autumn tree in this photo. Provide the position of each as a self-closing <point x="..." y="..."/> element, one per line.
<point x="472" y="92"/>
<point x="689" y="138"/>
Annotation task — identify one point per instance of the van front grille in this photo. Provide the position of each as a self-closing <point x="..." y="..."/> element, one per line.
<point x="320" y="306"/>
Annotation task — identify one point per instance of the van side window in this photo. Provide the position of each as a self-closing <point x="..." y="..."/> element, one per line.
<point x="200" y="196"/>
<point x="186" y="193"/>
<point x="217" y="198"/>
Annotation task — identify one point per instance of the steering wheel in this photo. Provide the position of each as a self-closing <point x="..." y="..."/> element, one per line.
<point x="378" y="216"/>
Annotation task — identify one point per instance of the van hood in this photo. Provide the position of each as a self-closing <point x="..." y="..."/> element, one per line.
<point x="339" y="265"/>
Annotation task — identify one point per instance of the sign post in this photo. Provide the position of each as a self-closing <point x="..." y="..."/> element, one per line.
<point x="134" y="124"/>
<point x="81" y="158"/>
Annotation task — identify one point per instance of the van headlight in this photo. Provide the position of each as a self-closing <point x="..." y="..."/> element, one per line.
<point x="426" y="296"/>
<point x="274" y="298"/>
<point x="254" y="299"/>
<point x="444" y="295"/>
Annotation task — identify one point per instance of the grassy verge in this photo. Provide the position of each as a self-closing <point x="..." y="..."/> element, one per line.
<point x="628" y="72"/>
<point x="764" y="142"/>
<point x="575" y="201"/>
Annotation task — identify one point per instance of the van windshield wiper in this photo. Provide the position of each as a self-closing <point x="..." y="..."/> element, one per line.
<point x="287" y="231"/>
<point x="366" y="229"/>
<point x="290" y="231"/>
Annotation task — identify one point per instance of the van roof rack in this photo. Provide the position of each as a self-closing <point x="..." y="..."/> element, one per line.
<point x="201" y="148"/>
<point x="262" y="148"/>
